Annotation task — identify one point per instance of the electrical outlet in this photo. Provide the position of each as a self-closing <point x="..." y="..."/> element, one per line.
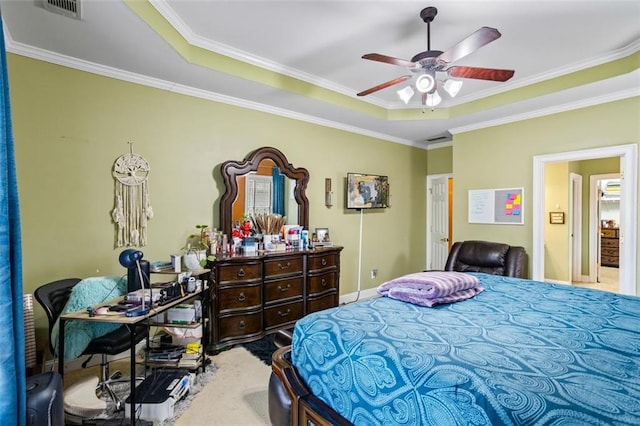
<point x="374" y="274"/>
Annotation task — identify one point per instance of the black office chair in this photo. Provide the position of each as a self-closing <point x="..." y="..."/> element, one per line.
<point x="53" y="297"/>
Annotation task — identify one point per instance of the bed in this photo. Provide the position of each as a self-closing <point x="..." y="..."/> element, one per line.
<point x="520" y="352"/>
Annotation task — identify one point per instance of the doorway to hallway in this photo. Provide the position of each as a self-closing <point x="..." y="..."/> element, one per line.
<point x="628" y="212"/>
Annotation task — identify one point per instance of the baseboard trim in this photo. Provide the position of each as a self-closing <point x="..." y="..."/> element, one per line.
<point x="362" y="295"/>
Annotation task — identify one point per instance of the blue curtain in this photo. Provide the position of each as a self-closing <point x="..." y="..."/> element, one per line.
<point x="13" y="405"/>
<point x="278" y="190"/>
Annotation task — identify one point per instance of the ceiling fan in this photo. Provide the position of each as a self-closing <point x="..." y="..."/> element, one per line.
<point x="426" y="64"/>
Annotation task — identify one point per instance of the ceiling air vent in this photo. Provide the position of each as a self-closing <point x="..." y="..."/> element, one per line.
<point x="68" y="8"/>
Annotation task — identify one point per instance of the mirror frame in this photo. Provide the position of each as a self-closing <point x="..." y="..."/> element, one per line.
<point x="230" y="171"/>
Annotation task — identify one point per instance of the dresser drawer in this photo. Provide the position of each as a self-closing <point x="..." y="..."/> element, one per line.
<point x="609" y="260"/>
<point x="283" y="266"/>
<point x="609" y="233"/>
<point x="322" y="303"/>
<point x="283" y="289"/>
<point x="322" y="261"/>
<point x="322" y="282"/>
<point x="240" y="325"/>
<point x="282" y="314"/>
<point x="239" y="297"/>
<point x="240" y="272"/>
<point x="609" y="242"/>
<point x="609" y="251"/>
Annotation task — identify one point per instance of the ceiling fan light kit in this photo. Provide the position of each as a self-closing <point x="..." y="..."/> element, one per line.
<point x="432" y="99"/>
<point x="406" y="94"/>
<point x="426" y="64"/>
<point x="452" y="87"/>
<point x="426" y="83"/>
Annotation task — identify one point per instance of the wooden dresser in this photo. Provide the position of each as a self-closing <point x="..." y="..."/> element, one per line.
<point x="252" y="296"/>
<point x="609" y="247"/>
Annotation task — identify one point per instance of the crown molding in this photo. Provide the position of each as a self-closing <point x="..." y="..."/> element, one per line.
<point x="82" y="65"/>
<point x="569" y="106"/>
<point x="192" y="38"/>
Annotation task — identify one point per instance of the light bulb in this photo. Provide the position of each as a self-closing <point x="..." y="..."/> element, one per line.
<point x="425" y="83"/>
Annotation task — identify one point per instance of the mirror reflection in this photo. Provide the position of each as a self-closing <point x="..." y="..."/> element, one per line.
<point x="265" y="191"/>
<point x="263" y="183"/>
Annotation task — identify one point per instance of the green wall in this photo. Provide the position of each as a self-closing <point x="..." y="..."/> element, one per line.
<point x="556" y="240"/>
<point x="440" y="160"/>
<point x="502" y="156"/>
<point x="70" y="126"/>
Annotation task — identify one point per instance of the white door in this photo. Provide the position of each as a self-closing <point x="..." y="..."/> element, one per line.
<point x="439" y="222"/>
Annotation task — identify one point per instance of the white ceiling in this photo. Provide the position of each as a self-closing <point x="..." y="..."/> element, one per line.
<point x="321" y="42"/>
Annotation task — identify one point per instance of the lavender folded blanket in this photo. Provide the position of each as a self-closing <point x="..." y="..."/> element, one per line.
<point x="431" y="288"/>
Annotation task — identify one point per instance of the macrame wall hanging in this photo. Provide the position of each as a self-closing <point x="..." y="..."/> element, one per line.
<point x="132" y="208"/>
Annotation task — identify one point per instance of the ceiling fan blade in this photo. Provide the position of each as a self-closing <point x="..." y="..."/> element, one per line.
<point x="389" y="60"/>
<point x="475" y="41"/>
<point x="384" y="85"/>
<point x="480" y="73"/>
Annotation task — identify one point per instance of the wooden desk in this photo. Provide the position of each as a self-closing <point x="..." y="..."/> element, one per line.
<point x="130" y="323"/>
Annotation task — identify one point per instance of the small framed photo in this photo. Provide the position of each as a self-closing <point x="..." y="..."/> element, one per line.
<point x="322" y="235"/>
<point x="556" y="218"/>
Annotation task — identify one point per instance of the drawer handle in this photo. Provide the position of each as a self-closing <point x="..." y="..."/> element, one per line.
<point x="324" y="262"/>
<point x="323" y="282"/>
<point x="283" y="289"/>
<point x="284" y="314"/>
<point x="241" y="325"/>
<point x="283" y="267"/>
<point x="242" y="297"/>
<point x="241" y="272"/>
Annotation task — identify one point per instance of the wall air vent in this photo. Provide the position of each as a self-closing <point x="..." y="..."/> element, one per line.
<point x="68" y="8"/>
<point x="444" y="137"/>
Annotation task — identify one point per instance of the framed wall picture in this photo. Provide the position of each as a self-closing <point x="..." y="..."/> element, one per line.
<point x="556" y="218"/>
<point x="366" y="191"/>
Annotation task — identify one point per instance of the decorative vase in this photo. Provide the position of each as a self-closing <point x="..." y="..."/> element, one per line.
<point x="192" y="259"/>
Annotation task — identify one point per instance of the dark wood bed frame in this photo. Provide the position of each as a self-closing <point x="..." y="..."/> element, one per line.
<point x="305" y="408"/>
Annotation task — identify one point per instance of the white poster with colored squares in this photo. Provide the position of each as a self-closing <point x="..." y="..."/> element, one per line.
<point x="499" y="206"/>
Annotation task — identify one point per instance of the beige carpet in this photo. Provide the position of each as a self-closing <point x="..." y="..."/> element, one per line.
<point x="236" y="395"/>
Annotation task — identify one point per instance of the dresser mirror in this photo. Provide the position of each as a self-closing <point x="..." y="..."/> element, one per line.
<point x="264" y="182"/>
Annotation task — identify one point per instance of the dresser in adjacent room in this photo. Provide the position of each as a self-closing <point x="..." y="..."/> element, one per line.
<point x="257" y="295"/>
<point x="609" y="247"/>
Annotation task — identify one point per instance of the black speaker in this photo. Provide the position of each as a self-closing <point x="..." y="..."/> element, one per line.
<point x="44" y="400"/>
<point x="133" y="279"/>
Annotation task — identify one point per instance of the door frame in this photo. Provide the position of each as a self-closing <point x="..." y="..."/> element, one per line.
<point x="628" y="207"/>
<point x="429" y="215"/>
<point x="575" y="223"/>
<point x="594" y="223"/>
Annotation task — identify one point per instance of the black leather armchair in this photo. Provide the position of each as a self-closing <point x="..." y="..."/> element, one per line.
<point x="488" y="257"/>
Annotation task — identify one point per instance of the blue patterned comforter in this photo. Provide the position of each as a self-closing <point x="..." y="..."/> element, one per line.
<point x="520" y="353"/>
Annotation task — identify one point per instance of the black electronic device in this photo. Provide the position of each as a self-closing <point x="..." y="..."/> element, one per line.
<point x="133" y="278"/>
<point x="44" y="400"/>
<point x="367" y="191"/>
<point x="169" y="291"/>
